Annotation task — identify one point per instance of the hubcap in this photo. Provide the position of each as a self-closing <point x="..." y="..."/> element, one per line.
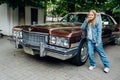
<point x="84" y="52"/>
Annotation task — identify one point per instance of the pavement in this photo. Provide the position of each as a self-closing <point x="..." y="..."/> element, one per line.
<point x="16" y="65"/>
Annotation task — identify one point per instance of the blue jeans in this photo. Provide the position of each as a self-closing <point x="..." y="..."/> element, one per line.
<point x="100" y="50"/>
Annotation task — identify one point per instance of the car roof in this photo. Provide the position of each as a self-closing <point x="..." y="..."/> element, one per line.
<point x="87" y="13"/>
<point x="83" y="12"/>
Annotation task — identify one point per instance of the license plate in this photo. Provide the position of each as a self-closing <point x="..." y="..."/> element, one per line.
<point x="28" y="51"/>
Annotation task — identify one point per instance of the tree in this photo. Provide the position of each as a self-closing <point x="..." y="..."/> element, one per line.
<point x="23" y="3"/>
<point x="113" y="7"/>
<point x="65" y="6"/>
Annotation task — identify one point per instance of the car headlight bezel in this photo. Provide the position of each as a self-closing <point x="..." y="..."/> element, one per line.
<point x="59" y="41"/>
<point x="20" y="34"/>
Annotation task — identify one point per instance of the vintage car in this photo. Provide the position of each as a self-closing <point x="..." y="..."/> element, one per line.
<point x="63" y="40"/>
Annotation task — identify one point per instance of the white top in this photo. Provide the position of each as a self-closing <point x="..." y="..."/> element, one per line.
<point x="90" y="32"/>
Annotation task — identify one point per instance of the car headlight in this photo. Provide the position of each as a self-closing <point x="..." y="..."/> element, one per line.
<point x="66" y="43"/>
<point x="17" y="34"/>
<point x="53" y="40"/>
<point x="59" y="41"/>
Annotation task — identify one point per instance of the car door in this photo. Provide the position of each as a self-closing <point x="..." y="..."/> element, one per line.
<point x="107" y="26"/>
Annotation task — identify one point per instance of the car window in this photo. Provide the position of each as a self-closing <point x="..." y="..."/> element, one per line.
<point x="74" y="18"/>
<point x="68" y="18"/>
<point x="81" y="17"/>
<point x="106" y="18"/>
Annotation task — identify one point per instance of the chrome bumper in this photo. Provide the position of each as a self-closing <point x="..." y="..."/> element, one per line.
<point x="60" y="53"/>
<point x="52" y="51"/>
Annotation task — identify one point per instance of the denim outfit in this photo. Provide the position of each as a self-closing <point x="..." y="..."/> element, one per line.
<point x="96" y="38"/>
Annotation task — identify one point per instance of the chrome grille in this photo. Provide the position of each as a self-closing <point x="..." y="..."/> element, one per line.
<point x="33" y="38"/>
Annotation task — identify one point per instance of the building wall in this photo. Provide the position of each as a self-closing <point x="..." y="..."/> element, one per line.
<point x="13" y="19"/>
<point x="40" y="16"/>
<point x="28" y="15"/>
<point x="10" y="18"/>
<point x="4" y="22"/>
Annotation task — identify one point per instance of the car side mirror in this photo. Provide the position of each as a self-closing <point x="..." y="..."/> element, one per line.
<point x="105" y="22"/>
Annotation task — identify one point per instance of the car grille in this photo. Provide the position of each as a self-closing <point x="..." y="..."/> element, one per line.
<point x="33" y="38"/>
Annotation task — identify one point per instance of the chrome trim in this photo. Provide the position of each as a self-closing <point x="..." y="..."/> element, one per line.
<point x="84" y="52"/>
<point x="56" y="52"/>
<point x="35" y="32"/>
<point x="61" y="53"/>
<point x="16" y="43"/>
<point x="42" y="50"/>
<point x="17" y="38"/>
<point x="16" y="33"/>
<point x="34" y="38"/>
<point x="59" y="56"/>
<point x="63" y="50"/>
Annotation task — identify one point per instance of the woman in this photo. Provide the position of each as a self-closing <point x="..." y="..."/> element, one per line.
<point x="93" y="26"/>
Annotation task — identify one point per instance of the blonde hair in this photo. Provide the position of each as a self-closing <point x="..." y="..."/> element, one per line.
<point x="94" y="19"/>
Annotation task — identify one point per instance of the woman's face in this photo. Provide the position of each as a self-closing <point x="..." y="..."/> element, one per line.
<point x="91" y="16"/>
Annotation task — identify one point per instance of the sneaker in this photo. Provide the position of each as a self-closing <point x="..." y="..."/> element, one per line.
<point x="91" y="67"/>
<point x="106" y="70"/>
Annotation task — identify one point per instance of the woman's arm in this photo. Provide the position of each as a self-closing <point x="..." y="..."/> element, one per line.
<point x="84" y="24"/>
<point x="99" y="32"/>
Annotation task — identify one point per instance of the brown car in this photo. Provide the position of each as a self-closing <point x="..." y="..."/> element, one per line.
<point x="63" y="40"/>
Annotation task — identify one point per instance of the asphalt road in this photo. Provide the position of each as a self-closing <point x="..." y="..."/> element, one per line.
<point x="16" y="65"/>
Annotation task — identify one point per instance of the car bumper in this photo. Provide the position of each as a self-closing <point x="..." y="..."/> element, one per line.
<point x="52" y="51"/>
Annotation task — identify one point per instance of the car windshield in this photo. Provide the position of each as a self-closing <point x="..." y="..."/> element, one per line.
<point x="74" y="18"/>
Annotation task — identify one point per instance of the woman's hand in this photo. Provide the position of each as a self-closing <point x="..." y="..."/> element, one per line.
<point x="88" y="19"/>
<point x="96" y="45"/>
<point x="91" y="16"/>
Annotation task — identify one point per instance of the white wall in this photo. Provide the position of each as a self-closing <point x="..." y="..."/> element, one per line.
<point x="8" y="19"/>
<point x="4" y="22"/>
<point x="40" y="16"/>
<point x="28" y="15"/>
<point x="13" y="18"/>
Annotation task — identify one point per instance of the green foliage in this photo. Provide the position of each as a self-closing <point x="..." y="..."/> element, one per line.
<point x="64" y="6"/>
<point x="16" y="3"/>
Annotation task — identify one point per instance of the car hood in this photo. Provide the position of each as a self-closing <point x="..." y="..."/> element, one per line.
<point x="56" y="29"/>
<point x="20" y="27"/>
<point x="68" y="31"/>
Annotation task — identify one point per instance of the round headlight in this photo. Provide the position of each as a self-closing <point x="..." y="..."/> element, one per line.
<point x="66" y="43"/>
<point x="53" y="39"/>
<point x="58" y="41"/>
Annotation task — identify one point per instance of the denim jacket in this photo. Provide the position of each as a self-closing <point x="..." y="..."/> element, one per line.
<point x="96" y="30"/>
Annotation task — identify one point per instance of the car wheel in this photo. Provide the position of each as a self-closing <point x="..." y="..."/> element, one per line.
<point x="82" y="54"/>
<point x="114" y="41"/>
